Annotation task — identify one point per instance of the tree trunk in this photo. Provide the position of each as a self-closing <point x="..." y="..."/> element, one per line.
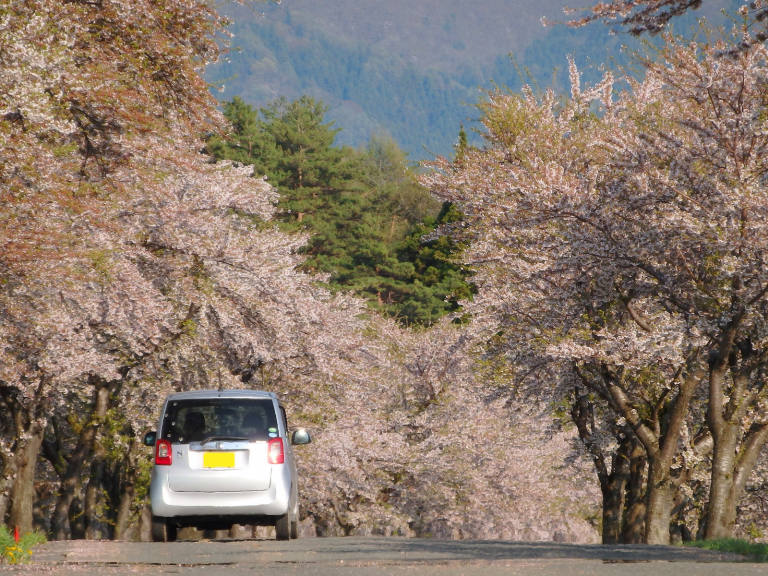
<point x="613" y="483"/>
<point x="721" y="491"/>
<point x="7" y="464"/>
<point x="72" y="480"/>
<point x="661" y="442"/>
<point x="679" y="530"/>
<point x="732" y="465"/>
<point x="23" y="486"/>
<point x="7" y="472"/>
<point x="613" y="510"/>
<point x="76" y="519"/>
<point x="3" y="501"/>
<point x="125" y="475"/>
<point x="614" y="494"/>
<point x="124" y="512"/>
<point x="95" y="526"/>
<point x="734" y="454"/>
<point x="68" y="488"/>
<point x="658" y="512"/>
<point x="633" y="526"/>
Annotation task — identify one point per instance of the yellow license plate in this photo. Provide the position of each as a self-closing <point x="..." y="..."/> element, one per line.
<point x="218" y="459"/>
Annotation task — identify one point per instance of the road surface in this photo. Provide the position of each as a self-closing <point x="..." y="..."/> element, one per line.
<point x="374" y="556"/>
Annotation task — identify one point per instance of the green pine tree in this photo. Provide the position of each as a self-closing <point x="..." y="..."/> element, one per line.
<point x="365" y="211"/>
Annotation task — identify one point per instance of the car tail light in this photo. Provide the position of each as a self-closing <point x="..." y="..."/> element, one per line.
<point x="275" y="452"/>
<point x="163" y="453"/>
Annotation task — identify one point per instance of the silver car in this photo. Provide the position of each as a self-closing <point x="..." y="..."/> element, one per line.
<point x="224" y="458"/>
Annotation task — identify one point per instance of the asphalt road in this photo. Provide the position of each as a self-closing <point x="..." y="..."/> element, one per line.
<point x="374" y="556"/>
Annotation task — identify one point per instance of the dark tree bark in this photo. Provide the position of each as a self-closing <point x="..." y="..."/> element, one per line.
<point x="124" y="516"/>
<point x="735" y="450"/>
<point x="612" y="483"/>
<point x="29" y="430"/>
<point x="71" y="481"/>
<point x="633" y="525"/>
<point x="95" y="527"/>
<point x="7" y="469"/>
<point x="23" y="486"/>
<point x="125" y="482"/>
<point x="660" y="436"/>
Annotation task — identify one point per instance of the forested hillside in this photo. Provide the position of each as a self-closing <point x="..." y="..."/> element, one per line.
<point x="368" y="218"/>
<point x="412" y="70"/>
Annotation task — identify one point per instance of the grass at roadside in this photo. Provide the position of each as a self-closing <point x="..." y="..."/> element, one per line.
<point x="754" y="551"/>
<point x="13" y="552"/>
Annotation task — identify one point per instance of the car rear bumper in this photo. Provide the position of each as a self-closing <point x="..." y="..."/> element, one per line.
<point x="274" y="501"/>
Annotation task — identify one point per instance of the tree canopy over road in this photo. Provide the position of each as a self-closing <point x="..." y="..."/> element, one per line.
<point x="625" y="238"/>
<point x="618" y="234"/>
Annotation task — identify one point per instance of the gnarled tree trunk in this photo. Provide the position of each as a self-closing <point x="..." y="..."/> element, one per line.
<point x="71" y="482"/>
<point x="661" y="441"/>
<point x="633" y="524"/>
<point x="95" y="526"/>
<point x="612" y="483"/>
<point x="732" y="463"/>
<point x="735" y="450"/>
<point x="27" y="450"/>
<point x="660" y="493"/>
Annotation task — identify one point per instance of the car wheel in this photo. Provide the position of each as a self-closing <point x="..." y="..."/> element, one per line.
<point x="163" y="531"/>
<point x="283" y="527"/>
<point x="294" y="529"/>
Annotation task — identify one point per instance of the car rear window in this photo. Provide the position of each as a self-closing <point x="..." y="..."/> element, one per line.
<point x="195" y="420"/>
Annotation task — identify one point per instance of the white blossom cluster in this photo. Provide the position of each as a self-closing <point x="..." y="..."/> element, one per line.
<point x="620" y="238"/>
<point x="131" y="266"/>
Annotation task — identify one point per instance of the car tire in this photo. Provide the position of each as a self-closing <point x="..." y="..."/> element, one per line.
<point x="294" y="529"/>
<point x="283" y="527"/>
<point x="163" y="531"/>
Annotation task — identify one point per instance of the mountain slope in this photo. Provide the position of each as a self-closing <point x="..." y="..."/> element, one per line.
<point x="412" y="70"/>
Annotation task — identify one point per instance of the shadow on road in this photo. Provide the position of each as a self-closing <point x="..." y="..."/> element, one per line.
<point x="505" y="550"/>
<point x="377" y="556"/>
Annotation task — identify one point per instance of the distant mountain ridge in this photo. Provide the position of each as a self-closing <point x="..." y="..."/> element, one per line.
<point x="414" y="70"/>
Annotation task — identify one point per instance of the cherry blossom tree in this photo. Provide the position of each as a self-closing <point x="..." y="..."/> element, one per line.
<point x="132" y="265"/>
<point x="719" y="147"/>
<point x="411" y="441"/>
<point x="627" y="245"/>
<point x="110" y="214"/>
<point x="653" y="16"/>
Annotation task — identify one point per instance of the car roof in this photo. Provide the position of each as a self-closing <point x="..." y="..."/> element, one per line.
<point x="222" y="394"/>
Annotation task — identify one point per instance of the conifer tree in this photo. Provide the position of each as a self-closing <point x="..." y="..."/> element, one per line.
<point x="364" y="209"/>
<point x="249" y="142"/>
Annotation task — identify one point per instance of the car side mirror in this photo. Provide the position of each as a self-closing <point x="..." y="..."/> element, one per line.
<point x="150" y="438"/>
<point x="301" y="436"/>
